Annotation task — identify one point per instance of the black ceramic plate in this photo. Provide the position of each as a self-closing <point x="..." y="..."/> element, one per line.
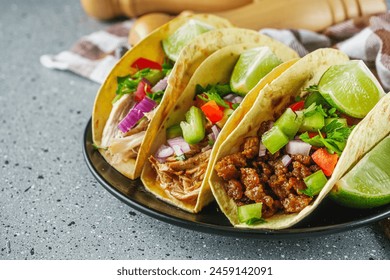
<point x="328" y="218"/>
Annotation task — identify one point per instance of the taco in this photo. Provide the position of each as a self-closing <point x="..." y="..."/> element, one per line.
<point x="207" y="111"/>
<point x="291" y="148"/>
<point x="129" y="99"/>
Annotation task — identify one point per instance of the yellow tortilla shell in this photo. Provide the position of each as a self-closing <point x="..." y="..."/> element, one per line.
<point x="217" y="68"/>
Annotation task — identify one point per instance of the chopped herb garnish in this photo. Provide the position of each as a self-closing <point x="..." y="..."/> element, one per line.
<point x="156" y="96"/>
<point x="335" y="139"/>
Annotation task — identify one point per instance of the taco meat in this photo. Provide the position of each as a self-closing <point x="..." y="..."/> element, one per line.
<point x="183" y="178"/>
<point x="250" y="178"/>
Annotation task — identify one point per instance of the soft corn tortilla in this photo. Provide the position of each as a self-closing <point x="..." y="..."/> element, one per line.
<point x="149" y="48"/>
<point x="270" y="103"/>
<point x="217" y="68"/>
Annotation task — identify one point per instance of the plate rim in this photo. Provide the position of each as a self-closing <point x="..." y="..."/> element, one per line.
<point x="291" y="233"/>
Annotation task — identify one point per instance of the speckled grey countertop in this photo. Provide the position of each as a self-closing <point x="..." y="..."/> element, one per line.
<point x="51" y="207"/>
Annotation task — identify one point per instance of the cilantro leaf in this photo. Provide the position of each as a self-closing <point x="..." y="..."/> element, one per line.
<point x="167" y="67"/>
<point x="213" y="92"/>
<point x="156" y="96"/>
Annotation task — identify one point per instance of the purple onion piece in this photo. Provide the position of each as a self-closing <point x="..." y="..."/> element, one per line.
<point x="164" y="151"/>
<point x="161" y="85"/>
<point x="179" y="141"/>
<point x="286" y="160"/>
<point x="177" y="150"/>
<point x="216" y="131"/>
<point x="262" y="150"/>
<point x="136" y="113"/>
<point x="297" y="147"/>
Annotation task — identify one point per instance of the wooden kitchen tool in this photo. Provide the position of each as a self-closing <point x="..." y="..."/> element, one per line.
<point x="314" y="15"/>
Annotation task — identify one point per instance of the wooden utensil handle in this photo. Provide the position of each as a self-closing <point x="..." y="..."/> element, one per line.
<point x="108" y="9"/>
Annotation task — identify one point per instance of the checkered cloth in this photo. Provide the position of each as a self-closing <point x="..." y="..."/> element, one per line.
<point x="366" y="38"/>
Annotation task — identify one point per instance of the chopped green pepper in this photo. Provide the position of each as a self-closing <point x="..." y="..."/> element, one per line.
<point x="193" y="128"/>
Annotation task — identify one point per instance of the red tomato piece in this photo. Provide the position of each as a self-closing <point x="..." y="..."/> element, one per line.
<point x="326" y="161"/>
<point x="297" y="106"/>
<point x="142" y="89"/>
<point x="212" y="111"/>
<point x="142" y="63"/>
<point x="314" y="134"/>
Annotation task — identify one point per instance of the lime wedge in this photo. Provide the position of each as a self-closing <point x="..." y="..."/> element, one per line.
<point x="351" y="88"/>
<point x="181" y="37"/>
<point x="251" y="67"/>
<point x="367" y="184"/>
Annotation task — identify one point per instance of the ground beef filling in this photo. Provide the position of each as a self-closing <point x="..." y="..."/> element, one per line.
<point x="249" y="178"/>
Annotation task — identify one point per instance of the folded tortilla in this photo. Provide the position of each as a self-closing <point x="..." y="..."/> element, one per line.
<point x="271" y="102"/>
<point x="149" y="48"/>
<point x="216" y="69"/>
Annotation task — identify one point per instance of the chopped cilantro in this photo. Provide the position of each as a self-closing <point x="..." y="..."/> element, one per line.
<point x="213" y="92"/>
<point x="156" y="96"/>
<point x="335" y="140"/>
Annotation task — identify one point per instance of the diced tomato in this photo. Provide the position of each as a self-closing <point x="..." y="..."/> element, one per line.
<point x="314" y="134"/>
<point x="297" y="106"/>
<point x="142" y="63"/>
<point x="326" y="161"/>
<point x="212" y="111"/>
<point x="142" y="89"/>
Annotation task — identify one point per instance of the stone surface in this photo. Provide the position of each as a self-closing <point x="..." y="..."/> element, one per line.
<point x="51" y="207"/>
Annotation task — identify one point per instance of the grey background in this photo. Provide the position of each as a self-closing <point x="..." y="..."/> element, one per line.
<point x="51" y="207"/>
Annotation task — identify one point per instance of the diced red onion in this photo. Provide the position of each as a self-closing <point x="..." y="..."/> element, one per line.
<point x="216" y="131"/>
<point x="237" y="99"/>
<point x="161" y="85"/>
<point x="177" y="150"/>
<point x="164" y="151"/>
<point x="262" y="150"/>
<point x="229" y="97"/>
<point x="211" y="137"/>
<point x="296" y="147"/>
<point x="136" y="113"/>
<point x="179" y="141"/>
<point x="286" y="160"/>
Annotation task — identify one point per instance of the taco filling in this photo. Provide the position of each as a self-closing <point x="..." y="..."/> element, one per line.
<point x="139" y="94"/>
<point x="289" y="161"/>
<point x="181" y="162"/>
<point x="137" y="97"/>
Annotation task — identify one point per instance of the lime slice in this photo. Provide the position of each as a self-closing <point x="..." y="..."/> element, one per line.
<point x="351" y="88"/>
<point x="367" y="184"/>
<point x="181" y="37"/>
<point x="251" y="67"/>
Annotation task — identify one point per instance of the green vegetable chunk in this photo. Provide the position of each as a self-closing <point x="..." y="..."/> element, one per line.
<point x="193" y="128"/>
<point x="338" y="120"/>
<point x="250" y="213"/>
<point x="174" y="131"/>
<point x="274" y="139"/>
<point x="315" y="182"/>
<point x="154" y="75"/>
<point x="289" y="122"/>
<point x="315" y="98"/>
<point x="313" y="122"/>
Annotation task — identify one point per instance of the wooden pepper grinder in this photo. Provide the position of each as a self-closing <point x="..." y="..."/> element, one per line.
<point x="314" y="15"/>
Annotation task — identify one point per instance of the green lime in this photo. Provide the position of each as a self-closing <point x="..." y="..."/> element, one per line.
<point x="251" y="67"/>
<point x="351" y="88"/>
<point x="367" y="184"/>
<point x="181" y="37"/>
